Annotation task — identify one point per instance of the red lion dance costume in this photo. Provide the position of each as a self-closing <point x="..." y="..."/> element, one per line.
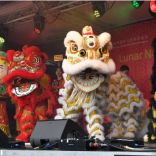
<point x="30" y="88"/>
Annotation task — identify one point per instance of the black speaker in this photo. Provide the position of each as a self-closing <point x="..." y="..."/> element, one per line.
<point x="3" y="137"/>
<point x="51" y="130"/>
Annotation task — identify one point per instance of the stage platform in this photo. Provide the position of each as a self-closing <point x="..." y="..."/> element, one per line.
<point x="70" y="153"/>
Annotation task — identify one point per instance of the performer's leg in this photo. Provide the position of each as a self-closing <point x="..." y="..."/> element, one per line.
<point x="4" y="122"/>
<point x="117" y="127"/>
<point x="131" y="125"/>
<point x="70" y="108"/>
<point x="68" y="111"/>
<point x="40" y="112"/>
<point x="27" y="124"/>
<point x="94" y="119"/>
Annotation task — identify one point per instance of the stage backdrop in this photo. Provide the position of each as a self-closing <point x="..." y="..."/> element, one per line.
<point x="132" y="47"/>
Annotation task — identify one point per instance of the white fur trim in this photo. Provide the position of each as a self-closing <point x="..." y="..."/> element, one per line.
<point x="113" y="97"/>
<point x="63" y="93"/>
<point x="101" y="137"/>
<point x="87" y="112"/>
<point x="129" y="135"/>
<point x="114" y="125"/>
<point x="57" y="117"/>
<point x="133" y="127"/>
<point x="101" y="96"/>
<point x="68" y="83"/>
<point x="72" y="116"/>
<point x="126" y="93"/>
<point x="94" y="126"/>
<point x="131" y="121"/>
<point x="99" y="131"/>
<point x="103" y="88"/>
<point x="102" y="103"/>
<point x="104" y="38"/>
<point x="125" y="117"/>
<point x="88" y="105"/>
<point x="62" y="101"/>
<point x="141" y="132"/>
<point x="97" y="116"/>
<point x="145" y="138"/>
<point x="60" y="112"/>
<point x="73" y="36"/>
<point x="125" y="109"/>
<point x="115" y="133"/>
<point x="94" y="64"/>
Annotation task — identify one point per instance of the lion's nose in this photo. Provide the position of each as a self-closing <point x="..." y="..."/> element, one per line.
<point x="91" y="44"/>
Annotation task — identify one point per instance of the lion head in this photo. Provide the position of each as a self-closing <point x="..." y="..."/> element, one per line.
<point x="88" y="61"/>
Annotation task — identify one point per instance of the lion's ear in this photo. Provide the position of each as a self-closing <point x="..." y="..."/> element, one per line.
<point x="25" y="48"/>
<point x="104" y="38"/>
<point x="10" y="54"/>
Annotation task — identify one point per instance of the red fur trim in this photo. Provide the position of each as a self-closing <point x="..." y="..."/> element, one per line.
<point x="18" y="113"/>
<point x="19" y="137"/>
<point x="28" y="126"/>
<point x="48" y="93"/>
<point x="27" y="135"/>
<point x="28" y="118"/>
<point x="89" y="34"/>
<point x="42" y="114"/>
<point x="49" y="112"/>
<point x="24" y="137"/>
<point x="35" y="49"/>
<point x="17" y="116"/>
<point x="23" y="74"/>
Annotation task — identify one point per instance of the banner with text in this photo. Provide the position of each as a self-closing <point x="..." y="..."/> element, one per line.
<point x="132" y="47"/>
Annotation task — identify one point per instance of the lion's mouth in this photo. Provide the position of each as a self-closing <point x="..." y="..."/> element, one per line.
<point x="23" y="87"/>
<point x="87" y="74"/>
<point x="88" y="80"/>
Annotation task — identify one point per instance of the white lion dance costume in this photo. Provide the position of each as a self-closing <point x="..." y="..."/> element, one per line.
<point x="87" y="70"/>
<point x="124" y="106"/>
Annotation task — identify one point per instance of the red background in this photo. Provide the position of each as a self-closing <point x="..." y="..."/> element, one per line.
<point x="132" y="47"/>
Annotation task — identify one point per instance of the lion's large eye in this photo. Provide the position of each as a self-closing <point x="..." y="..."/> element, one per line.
<point x="102" y="52"/>
<point x="73" y="48"/>
<point x="82" y="53"/>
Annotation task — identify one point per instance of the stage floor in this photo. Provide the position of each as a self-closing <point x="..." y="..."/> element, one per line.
<point x="70" y="153"/>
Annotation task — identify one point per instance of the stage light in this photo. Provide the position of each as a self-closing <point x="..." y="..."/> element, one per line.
<point x="39" y="23"/>
<point x="137" y="4"/>
<point x="37" y="31"/>
<point x="152" y="13"/>
<point x="153" y="6"/>
<point x="2" y="40"/>
<point x="3" y="34"/>
<point x="98" y="9"/>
